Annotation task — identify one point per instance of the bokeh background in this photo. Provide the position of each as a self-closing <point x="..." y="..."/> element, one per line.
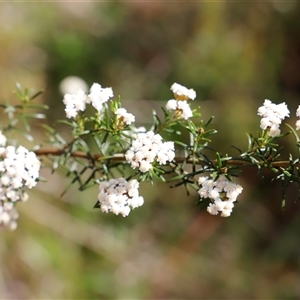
<point x="235" y="55"/>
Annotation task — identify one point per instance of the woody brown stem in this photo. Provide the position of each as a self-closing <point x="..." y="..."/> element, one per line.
<point x="121" y="157"/>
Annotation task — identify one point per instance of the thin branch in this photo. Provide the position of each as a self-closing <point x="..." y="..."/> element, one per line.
<point x="79" y="154"/>
<point x="121" y="157"/>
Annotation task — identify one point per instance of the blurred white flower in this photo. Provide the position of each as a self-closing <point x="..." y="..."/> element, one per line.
<point x="8" y="216"/>
<point x="71" y="84"/>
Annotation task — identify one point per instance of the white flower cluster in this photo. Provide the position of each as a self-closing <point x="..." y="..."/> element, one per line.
<point x="182" y="108"/>
<point x="298" y="115"/>
<point x="77" y="102"/>
<point x="147" y="148"/>
<point x="272" y="116"/>
<point x="182" y="93"/>
<point x="223" y="193"/>
<point x="124" y="116"/>
<point x="19" y="168"/>
<point x="119" y="196"/>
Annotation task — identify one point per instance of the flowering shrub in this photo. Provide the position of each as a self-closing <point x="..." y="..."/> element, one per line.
<point x="128" y="155"/>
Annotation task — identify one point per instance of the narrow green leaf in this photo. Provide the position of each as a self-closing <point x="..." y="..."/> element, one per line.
<point x="55" y="165"/>
<point x="36" y="116"/>
<point x="36" y="95"/>
<point x="294" y="132"/>
<point x="25" y="122"/>
<point x="236" y="148"/>
<point x="97" y="205"/>
<point x="180" y="143"/>
<point x="250" y="144"/>
<point x="69" y="123"/>
<point x="105" y="137"/>
<point x="209" y="121"/>
<point x="219" y="160"/>
<point x="85" y="186"/>
<point x="19" y="87"/>
<point x="283" y="202"/>
<point x="48" y="128"/>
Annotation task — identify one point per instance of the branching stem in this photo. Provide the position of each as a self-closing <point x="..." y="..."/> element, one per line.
<point x="121" y="157"/>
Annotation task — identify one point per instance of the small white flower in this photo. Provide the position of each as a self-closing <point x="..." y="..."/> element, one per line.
<point x="182" y="108"/>
<point x="222" y="192"/>
<point x="202" y="179"/>
<point x="274" y="131"/>
<point x="282" y="111"/>
<point x="119" y="196"/>
<point x="265" y="123"/>
<point x="124" y="116"/>
<point x="213" y="194"/>
<point x="182" y="93"/>
<point x="226" y="212"/>
<point x="171" y="104"/>
<point x="98" y="96"/>
<point x="144" y="165"/>
<point x="147" y="148"/>
<point x="213" y="209"/>
<point x="5" y="180"/>
<point x="71" y="112"/>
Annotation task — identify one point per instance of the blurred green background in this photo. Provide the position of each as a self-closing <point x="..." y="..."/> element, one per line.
<point x="235" y="55"/>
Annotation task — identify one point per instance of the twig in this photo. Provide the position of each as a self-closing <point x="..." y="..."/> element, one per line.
<point x="121" y="157"/>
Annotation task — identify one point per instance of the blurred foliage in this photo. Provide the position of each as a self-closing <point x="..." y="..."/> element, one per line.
<point x="234" y="54"/>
